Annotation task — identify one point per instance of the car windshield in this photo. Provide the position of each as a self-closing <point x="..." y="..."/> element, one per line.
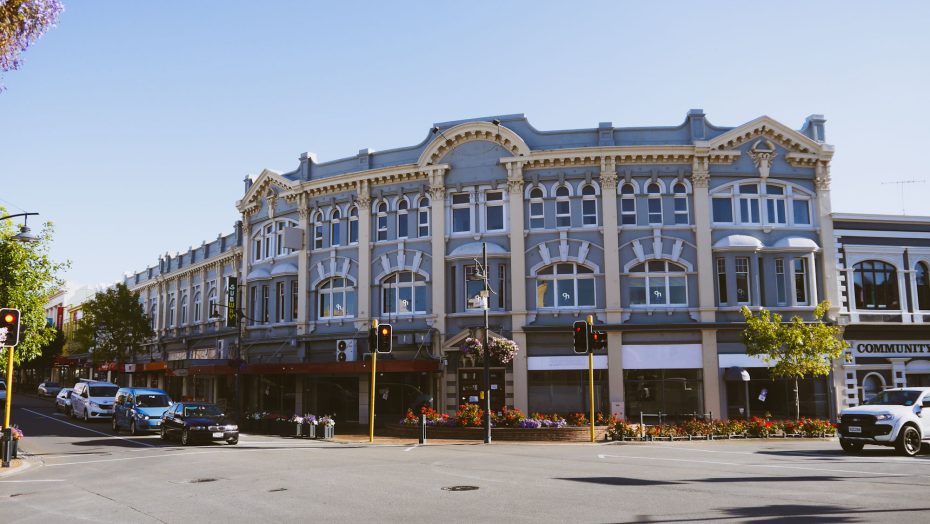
<point x="153" y="400"/>
<point x="103" y="391"/>
<point x="202" y="410"/>
<point x="894" y="398"/>
<point x="2" y="386"/>
<point x="51" y="385"/>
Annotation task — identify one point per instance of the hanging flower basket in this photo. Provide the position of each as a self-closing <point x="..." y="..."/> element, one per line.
<point x="502" y="350"/>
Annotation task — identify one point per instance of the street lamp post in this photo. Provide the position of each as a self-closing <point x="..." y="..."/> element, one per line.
<point x="25" y="236"/>
<point x="240" y="316"/>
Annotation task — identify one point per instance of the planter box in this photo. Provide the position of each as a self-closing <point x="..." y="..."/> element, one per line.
<point x="325" y="432"/>
<point x="308" y="430"/>
<point x="567" y="434"/>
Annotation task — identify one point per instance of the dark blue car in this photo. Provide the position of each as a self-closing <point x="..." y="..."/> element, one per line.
<point x="192" y="422"/>
<point x="139" y="409"/>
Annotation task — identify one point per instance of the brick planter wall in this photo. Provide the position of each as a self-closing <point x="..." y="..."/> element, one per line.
<point x="568" y="434"/>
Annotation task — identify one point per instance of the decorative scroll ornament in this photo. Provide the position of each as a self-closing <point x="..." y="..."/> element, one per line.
<point x="762" y="154"/>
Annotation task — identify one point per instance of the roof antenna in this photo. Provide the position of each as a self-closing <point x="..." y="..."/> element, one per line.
<point x="902" y="183"/>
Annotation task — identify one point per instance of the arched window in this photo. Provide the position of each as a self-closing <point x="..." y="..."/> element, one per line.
<point x="923" y="286"/>
<point x="403" y="217"/>
<point x="337" y="298"/>
<point x="197" y="304"/>
<point x="382" y="221"/>
<point x="628" y="205"/>
<point x="183" y="318"/>
<point x="876" y="285"/>
<point x="403" y="292"/>
<point x="268" y="248"/>
<point x="212" y="310"/>
<point x="681" y="203"/>
<point x="563" y="207"/>
<point x="588" y="206"/>
<point x="775" y="203"/>
<point x="537" y="213"/>
<point x="423" y="218"/>
<point x="565" y="285"/>
<point x="749" y="203"/>
<point x="335" y="237"/>
<point x="153" y="315"/>
<point x="872" y="385"/>
<point x="318" y="230"/>
<point x="655" y="203"/>
<point x="658" y="283"/>
<point x="353" y="225"/>
<point x="171" y="306"/>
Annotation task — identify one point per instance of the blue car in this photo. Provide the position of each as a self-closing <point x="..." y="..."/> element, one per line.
<point x="139" y="409"/>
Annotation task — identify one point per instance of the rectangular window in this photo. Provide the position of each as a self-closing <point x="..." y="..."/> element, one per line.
<point x="382" y="226"/>
<point x="637" y="291"/>
<point x="722" y="281"/>
<point x="628" y="211"/>
<point x="776" y="211"/>
<point x="294" y="300"/>
<point x="802" y="214"/>
<point x="537" y="218"/>
<point x="800" y="281"/>
<point x="494" y="211"/>
<point x="452" y="288"/>
<point x="461" y="213"/>
<point x="253" y="302"/>
<point x="780" y="291"/>
<point x="655" y="210"/>
<point x="403" y="222"/>
<point x="258" y="249"/>
<point x="318" y="236"/>
<point x="353" y="231"/>
<point x="334" y="233"/>
<point x="589" y="211"/>
<point x="749" y="210"/>
<point x="681" y="210"/>
<point x="265" y="303"/>
<point x="279" y="301"/>
<point x="423" y="222"/>
<point x="473" y="285"/>
<point x="723" y="210"/>
<point x="502" y="286"/>
<point x="563" y="213"/>
<point x="743" y="295"/>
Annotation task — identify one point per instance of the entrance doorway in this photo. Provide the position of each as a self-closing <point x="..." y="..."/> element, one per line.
<point x="470" y="386"/>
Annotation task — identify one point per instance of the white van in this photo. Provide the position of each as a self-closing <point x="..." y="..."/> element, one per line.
<point x="93" y="400"/>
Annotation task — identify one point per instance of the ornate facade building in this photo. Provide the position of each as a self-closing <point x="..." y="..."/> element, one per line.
<point x="661" y="233"/>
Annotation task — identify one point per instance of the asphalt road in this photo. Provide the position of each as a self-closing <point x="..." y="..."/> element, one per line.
<point x="83" y="473"/>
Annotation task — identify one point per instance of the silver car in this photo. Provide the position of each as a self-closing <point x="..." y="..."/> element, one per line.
<point x="48" y="389"/>
<point x="63" y="401"/>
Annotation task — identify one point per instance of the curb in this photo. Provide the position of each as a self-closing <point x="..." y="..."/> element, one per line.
<point x="23" y="466"/>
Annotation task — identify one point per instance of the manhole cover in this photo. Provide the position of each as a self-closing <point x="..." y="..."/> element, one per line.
<point x="460" y="488"/>
<point x="199" y="481"/>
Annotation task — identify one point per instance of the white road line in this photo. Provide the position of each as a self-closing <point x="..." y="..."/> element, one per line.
<point x="768" y="466"/>
<point x="91" y="430"/>
<point x="411" y="447"/>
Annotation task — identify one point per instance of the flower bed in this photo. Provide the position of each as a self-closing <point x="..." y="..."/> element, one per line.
<point x="727" y="429"/>
<point x="297" y="426"/>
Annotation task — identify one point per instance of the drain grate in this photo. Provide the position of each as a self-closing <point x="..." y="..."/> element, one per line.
<point x="460" y="488"/>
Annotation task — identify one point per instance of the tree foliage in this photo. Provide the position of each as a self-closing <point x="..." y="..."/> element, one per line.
<point x="27" y="278"/>
<point x="795" y="349"/>
<point x="22" y="22"/>
<point x="114" y="324"/>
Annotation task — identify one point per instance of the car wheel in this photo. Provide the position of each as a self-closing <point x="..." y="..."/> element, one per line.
<point x="185" y="438"/>
<point x="851" y="446"/>
<point x="132" y="428"/>
<point x="115" y="427"/>
<point x="908" y="443"/>
<point x="86" y="417"/>
<point x="164" y="433"/>
<point x="233" y="441"/>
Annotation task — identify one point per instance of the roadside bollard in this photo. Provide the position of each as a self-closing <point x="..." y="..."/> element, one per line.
<point x="6" y="447"/>
<point x="423" y="428"/>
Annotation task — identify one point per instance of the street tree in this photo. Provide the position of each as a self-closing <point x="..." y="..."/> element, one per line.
<point x="28" y="276"/>
<point x="794" y="349"/>
<point x="22" y="22"/>
<point x="114" y="324"/>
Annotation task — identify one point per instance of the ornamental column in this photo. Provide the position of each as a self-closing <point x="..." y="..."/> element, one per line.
<point x="242" y="282"/>
<point x="827" y="240"/>
<point x="518" y="285"/>
<point x="612" y="306"/>
<point x="303" y="276"/>
<point x="437" y="191"/>
<point x="364" y="252"/>
<point x="700" y="180"/>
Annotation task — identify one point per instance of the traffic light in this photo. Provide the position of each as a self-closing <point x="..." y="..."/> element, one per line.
<point x="373" y="339"/>
<point x="9" y="327"/>
<point x="385" y="333"/>
<point x="580" y="331"/>
<point x="598" y="340"/>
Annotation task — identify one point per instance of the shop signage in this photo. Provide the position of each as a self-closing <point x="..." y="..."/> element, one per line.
<point x="232" y="292"/>
<point x="890" y="348"/>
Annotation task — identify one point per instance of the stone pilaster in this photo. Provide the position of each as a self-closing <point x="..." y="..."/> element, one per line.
<point x="437" y="190"/>
<point x="827" y="240"/>
<point x="518" y="284"/>
<point x="364" y="252"/>
<point x="615" y="373"/>
<point x="303" y="273"/>
<point x="711" y="371"/>
<point x="700" y="180"/>
<point x="243" y="283"/>
<point x="612" y="306"/>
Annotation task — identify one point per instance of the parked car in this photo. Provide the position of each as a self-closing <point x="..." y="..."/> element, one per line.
<point x="93" y="400"/>
<point x="2" y="391"/>
<point x="894" y="417"/>
<point x="198" y="421"/>
<point x="48" y="389"/>
<point x="139" y="409"/>
<point x="63" y="401"/>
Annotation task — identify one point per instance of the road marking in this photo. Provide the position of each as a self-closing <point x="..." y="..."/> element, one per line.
<point x="411" y="447"/>
<point x="52" y="480"/>
<point x="770" y="466"/>
<point x="91" y="430"/>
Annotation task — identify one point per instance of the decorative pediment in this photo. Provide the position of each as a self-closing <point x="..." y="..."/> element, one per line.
<point x="454" y="343"/>
<point x="269" y="185"/>
<point x="769" y="128"/>
<point x="447" y="140"/>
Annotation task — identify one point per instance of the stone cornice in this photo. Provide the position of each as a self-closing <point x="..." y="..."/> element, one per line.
<point x="233" y="254"/>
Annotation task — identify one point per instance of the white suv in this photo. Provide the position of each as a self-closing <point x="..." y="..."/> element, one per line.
<point x="92" y="400"/>
<point x="894" y="417"/>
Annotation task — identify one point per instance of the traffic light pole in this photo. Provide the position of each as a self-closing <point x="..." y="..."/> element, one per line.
<point x="591" y="375"/>
<point x="371" y="404"/>
<point x="487" y="346"/>
<point x="9" y="389"/>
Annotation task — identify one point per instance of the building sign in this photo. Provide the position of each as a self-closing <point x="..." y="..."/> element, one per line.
<point x="890" y="348"/>
<point x="60" y="317"/>
<point x="232" y="291"/>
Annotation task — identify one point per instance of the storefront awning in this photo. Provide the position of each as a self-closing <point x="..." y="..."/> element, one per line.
<point x="321" y="368"/>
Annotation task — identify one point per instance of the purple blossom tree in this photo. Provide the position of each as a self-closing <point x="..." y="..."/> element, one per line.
<point x="22" y="22"/>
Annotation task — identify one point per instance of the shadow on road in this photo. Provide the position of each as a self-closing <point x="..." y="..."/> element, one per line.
<point x="793" y="513"/>
<point x="619" y="481"/>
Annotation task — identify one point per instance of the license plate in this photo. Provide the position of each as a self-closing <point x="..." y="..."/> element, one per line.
<point x="218" y="434"/>
<point x="855" y="429"/>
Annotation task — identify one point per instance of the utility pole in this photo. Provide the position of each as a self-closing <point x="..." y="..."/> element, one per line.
<point x="902" y="183"/>
<point x="486" y="299"/>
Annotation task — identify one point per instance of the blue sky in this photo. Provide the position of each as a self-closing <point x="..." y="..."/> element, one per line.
<point x="131" y="125"/>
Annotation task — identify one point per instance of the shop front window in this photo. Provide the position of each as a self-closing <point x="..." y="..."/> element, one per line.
<point x="566" y="391"/>
<point x="675" y="393"/>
